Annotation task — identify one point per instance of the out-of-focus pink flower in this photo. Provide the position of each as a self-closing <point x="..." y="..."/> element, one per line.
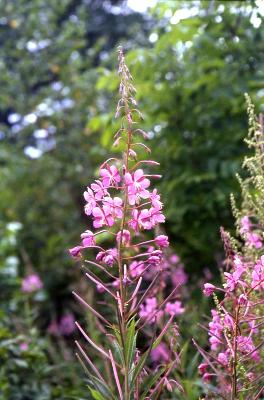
<point x="174" y="308"/>
<point x="215" y="331"/>
<point x="136" y="268"/>
<point x="253" y="240"/>
<point x="245" y="225"/>
<point x="23" y="346"/>
<point x="31" y="283"/>
<point x="161" y="353"/>
<point x="174" y="259"/>
<point x="148" y="308"/>
<point x="202" y="368"/>
<point x="223" y="358"/>
<point x="208" y="289"/>
<point x="246" y="346"/>
<point x="179" y="276"/>
<point x="207" y="377"/>
<point x="258" y="275"/>
<point x="110" y="176"/>
<point x="67" y="324"/>
<point x="162" y="241"/>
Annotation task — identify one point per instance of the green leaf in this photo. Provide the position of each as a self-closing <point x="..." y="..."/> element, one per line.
<point x="101" y="387"/>
<point x="96" y="395"/>
<point x="130" y="342"/>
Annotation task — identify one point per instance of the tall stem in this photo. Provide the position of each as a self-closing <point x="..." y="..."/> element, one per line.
<point x="234" y="366"/>
<point x="123" y="299"/>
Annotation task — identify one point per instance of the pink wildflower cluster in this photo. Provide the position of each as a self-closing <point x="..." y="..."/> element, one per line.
<point x="65" y="326"/>
<point x="123" y="204"/>
<point x="235" y="328"/>
<point x="253" y="239"/>
<point x="31" y="283"/>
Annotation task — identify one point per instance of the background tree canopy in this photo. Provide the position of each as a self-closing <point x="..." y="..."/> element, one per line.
<point x="192" y="63"/>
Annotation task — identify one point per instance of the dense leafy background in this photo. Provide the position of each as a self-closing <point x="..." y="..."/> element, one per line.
<point x="58" y="91"/>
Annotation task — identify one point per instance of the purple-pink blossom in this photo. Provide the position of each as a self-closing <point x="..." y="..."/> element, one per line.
<point x="161" y="353"/>
<point x="67" y="324"/>
<point x="208" y="289"/>
<point x="136" y="185"/>
<point x="31" y="283"/>
<point x="110" y="176"/>
<point x="162" y="241"/>
<point x="174" y="308"/>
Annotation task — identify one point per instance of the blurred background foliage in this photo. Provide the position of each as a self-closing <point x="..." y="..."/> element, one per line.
<point x="192" y="61"/>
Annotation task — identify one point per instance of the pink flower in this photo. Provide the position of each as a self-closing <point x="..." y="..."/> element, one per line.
<point x="113" y="206"/>
<point x="174" y="259"/>
<point x="75" y="251"/>
<point x="126" y="236"/>
<point x="91" y="201"/>
<point x="23" y="346"/>
<point x="67" y="325"/>
<point x="156" y="216"/>
<point x="202" y="368"/>
<point x="174" y="308"/>
<point x="155" y="200"/>
<point x="231" y="281"/>
<point x="215" y="331"/>
<point x="100" y="288"/>
<point x="246" y="346"/>
<point x="258" y="275"/>
<point x="102" y="216"/>
<point x="99" y="190"/>
<point x="149" y="308"/>
<point x="108" y="257"/>
<point x="140" y="219"/>
<point x="162" y="241"/>
<point x="207" y="377"/>
<point x="179" y="277"/>
<point x="136" y="268"/>
<point x="223" y="358"/>
<point x="87" y="238"/>
<point x="242" y="299"/>
<point x="253" y="240"/>
<point x="208" y="289"/>
<point x="31" y="283"/>
<point x="110" y="176"/>
<point x="137" y="185"/>
<point x="161" y="353"/>
<point x="245" y="225"/>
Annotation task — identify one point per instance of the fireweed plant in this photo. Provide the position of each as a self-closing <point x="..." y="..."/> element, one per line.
<point x="233" y="368"/>
<point x="132" y="274"/>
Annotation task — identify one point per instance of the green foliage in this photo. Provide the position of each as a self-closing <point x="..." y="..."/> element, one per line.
<point x="191" y="86"/>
